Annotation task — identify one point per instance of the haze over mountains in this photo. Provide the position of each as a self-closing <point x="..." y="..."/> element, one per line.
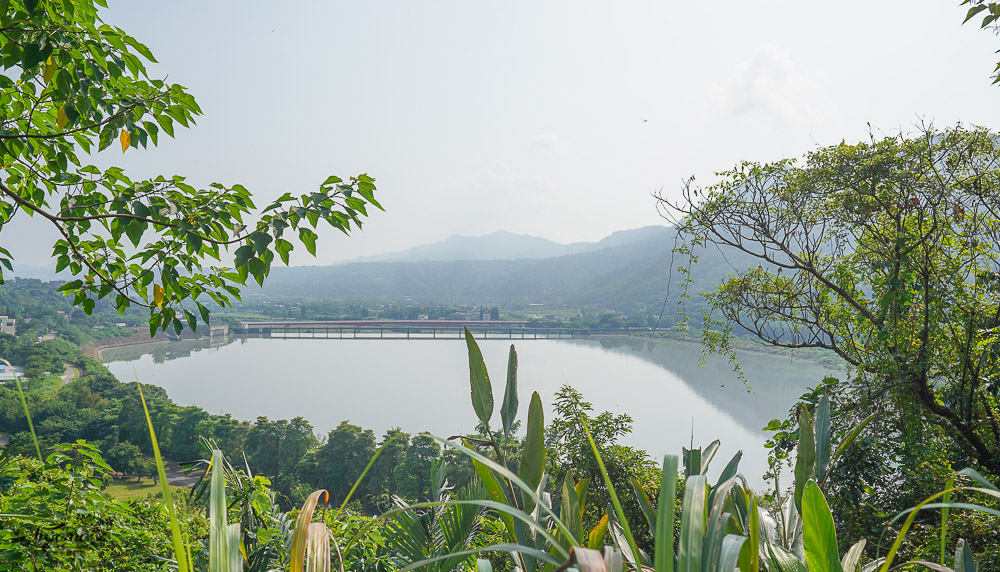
<point x="504" y="245"/>
<point x="627" y="272"/>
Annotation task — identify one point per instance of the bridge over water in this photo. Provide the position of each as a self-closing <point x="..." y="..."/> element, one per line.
<point x="412" y="329"/>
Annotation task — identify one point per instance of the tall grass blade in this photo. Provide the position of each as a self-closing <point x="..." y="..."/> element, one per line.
<point x="851" y="437"/>
<point x="31" y="426"/>
<point x="361" y="477"/>
<point x="483" y="565"/>
<point x="183" y="564"/>
<point x="912" y="514"/>
<point x="619" y="512"/>
<point x="944" y="519"/>
<point x="513" y="479"/>
<point x="647" y="507"/>
<point x="496" y="492"/>
<point x="974" y="475"/>
<point x="534" y="552"/>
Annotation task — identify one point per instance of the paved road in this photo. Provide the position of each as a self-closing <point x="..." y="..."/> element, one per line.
<point x="176" y="477"/>
<point x="71" y="373"/>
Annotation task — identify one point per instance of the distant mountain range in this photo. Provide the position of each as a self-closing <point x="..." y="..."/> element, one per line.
<point x="628" y="271"/>
<point x="504" y="245"/>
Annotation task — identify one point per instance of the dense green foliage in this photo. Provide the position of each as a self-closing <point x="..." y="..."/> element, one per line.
<point x="72" y="85"/>
<point x="885" y="253"/>
<point x="55" y="517"/>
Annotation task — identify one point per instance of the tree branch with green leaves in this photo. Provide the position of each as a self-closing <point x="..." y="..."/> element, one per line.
<point x="71" y="85"/>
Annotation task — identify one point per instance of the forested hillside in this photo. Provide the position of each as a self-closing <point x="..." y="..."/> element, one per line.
<point x="630" y="278"/>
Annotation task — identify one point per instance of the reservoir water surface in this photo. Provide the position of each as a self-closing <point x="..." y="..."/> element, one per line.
<point x="423" y="385"/>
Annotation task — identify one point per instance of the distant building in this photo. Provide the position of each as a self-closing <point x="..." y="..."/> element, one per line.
<point x="423" y="317"/>
<point x="8" y="372"/>
<point x="7" y="326"/>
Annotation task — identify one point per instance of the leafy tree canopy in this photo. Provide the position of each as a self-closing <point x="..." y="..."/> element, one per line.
<point x="990" y="14"/>
<point x="887" y="253"/>
<point x="71" y="85"/>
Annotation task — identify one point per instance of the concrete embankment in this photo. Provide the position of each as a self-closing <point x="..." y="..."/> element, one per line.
<point x="93" y="348"/>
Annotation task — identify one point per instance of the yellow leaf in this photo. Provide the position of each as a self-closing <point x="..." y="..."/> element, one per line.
<point x="126" y="140"/>
<point x="158" y="295"/>
<point x="90" y="279"/>
<point x="50" y="69"/>
<point x="61" y="119"/>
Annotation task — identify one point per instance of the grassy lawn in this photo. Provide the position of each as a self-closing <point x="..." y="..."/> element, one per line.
<point x="126" y="488"/>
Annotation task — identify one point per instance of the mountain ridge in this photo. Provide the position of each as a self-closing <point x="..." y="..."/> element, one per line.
<point x="503" y="245"/>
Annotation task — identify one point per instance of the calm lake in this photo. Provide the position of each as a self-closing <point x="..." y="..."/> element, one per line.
<point x="423" y="385"/>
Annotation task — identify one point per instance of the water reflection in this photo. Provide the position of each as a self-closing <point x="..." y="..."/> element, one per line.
<point x="770" y="378"/>
<point x="161" y="352"/>
<point x="423" y="385"/>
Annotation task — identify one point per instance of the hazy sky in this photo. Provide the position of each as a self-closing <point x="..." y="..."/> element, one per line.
<point x="556" y="119"/>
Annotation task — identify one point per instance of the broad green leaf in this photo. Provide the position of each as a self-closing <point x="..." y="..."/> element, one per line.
<point x="495" y="490"/>
<point x="50" y="69"/>
<point x="218" y="538"/>
<point x="963" y="557"/>
<point x="819" y="534"/>
<point x="27" y="415"/>
<point x="689" y="550"/>
<point x="732" y="544"/>
<point x="755" y="537"/>
<point x="821" y="428"/>
<point x="782" y="560"/>
<point x="570" y="513"/>
<point x="300" y="533"/>
<point x="692" y="461"/>
<point x="852" y="559"/>
<point x="805" y="461"/>
<point x="482" y="391"/>
<point x="508" y="411"/>
<point x="595" y="539"/>
<point x="533" y="454"/>
<point x="663" y="554"/>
